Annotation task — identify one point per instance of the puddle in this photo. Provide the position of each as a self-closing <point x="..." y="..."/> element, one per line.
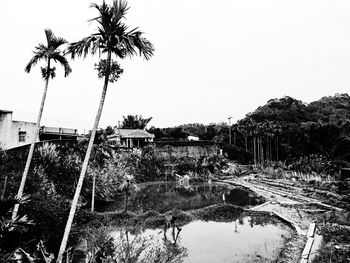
<point x="257" y="238"/>
<point x="164" y="197"/>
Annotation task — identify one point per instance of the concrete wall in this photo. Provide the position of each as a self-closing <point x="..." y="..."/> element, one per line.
<point x="193" y="151"/>
<point x="9" y="131"/>
<point x="28" y="127"/>
<point x="5" y="126"/>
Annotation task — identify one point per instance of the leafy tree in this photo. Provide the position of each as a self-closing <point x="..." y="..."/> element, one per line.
<point x="331" y="109"/>
<point x="285" y="109"/>
<point x="109" y="130"/>
<point x="135" y="122"/>
<point x="288" y="129"/>
<point x="49" y="53"/>
<point x="112" y="38"/>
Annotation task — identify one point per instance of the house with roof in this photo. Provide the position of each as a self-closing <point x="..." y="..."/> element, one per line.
<point x="130" y="138"/>
<point x="18" y="133"/>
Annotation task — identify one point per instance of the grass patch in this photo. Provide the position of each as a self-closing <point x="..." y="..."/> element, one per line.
<point x="154" y="219"/>
<point x="335" y="247"/>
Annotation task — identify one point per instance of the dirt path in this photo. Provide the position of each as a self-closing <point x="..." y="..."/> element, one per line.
<point x="289" y="204"/>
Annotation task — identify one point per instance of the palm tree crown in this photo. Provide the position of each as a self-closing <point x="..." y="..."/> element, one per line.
<point x="48" y="52"/>
<point x="113" y="35"/>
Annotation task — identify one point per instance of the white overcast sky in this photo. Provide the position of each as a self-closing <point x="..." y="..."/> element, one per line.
<point x="213" y="59"/>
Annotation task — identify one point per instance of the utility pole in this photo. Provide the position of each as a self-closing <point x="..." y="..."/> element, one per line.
<point x="229" y="131"/>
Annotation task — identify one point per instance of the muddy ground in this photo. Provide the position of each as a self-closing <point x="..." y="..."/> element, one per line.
<point x="301" y="203"/>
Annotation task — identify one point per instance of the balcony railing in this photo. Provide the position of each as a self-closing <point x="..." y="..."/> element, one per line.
<point x="59" y="131"/>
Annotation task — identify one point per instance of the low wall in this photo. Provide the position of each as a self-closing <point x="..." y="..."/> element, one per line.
<point x="185" y="149"/>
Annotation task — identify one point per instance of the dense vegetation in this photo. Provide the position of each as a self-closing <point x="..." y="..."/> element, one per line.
<point x="53" y="178"/>
<point x="285" y="129"/>
<point x="307" y="137"/>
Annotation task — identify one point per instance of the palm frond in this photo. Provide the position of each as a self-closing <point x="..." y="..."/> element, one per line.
<point x="82" y="47"/>
<point x="49" y="35"/>
<point x="110" y="14"/>
<point x="113" y="35"/>
<point x="53" y="42"/>
<point x="98" y="44"/>
<point x="63" y="61"/>
<point x="32" y="62"/>
<point x="133" y="39"/>
<point x="41" y="49"/>
<point x="120" y="8"/>
<point x="144" y="46"/>
<point x="56" y="42"/>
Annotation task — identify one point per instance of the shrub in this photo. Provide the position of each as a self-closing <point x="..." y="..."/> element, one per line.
<point x="316" y="163"/>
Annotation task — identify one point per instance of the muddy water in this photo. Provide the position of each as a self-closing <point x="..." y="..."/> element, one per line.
<point x="163" y="197"/>
<point x="247" y="239"/>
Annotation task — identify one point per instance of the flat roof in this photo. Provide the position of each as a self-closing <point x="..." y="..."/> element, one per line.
<point x="5" y="111"/>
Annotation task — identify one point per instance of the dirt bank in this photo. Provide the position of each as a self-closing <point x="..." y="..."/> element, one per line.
<point x="300" y="204"/>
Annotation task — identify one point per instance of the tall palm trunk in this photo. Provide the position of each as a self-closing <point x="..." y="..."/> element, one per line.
<point x="267" y="157"/>
<point x="32" y="145"/>
<point x="257" y="150"/>
<point x="277" y="149"/>
<point x="270" y="148"/>
<point x="84" y="167"/>
<point x="93" y="193"/>
<point x="262" y="150"/>
<point x="254" y="149"/>
<point x="126" y="200"/>
<point x="4" y="188"/>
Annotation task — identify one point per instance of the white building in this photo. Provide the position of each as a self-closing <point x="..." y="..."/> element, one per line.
<point x="15" y="133"/>
<point x="192" y="138"/>
<point x="18" y="133"/>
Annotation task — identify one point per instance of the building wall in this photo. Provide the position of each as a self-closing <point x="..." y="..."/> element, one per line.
<point x="9" y="131"/>
<point x="5" y="126"/>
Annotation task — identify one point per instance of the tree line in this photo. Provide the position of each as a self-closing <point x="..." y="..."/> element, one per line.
<point x="284" y="129"/>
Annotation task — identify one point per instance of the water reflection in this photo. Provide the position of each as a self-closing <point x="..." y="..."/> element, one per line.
<point x="143" y="248"/>
<point x="257" y="238"/>
<point x="163" y="197"/>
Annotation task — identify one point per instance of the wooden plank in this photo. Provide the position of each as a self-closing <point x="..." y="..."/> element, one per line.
<point x="259" y="206"/>
<point x="311" y="230"/>
<point x="316" y="247"/>
<point x="307" y="248"/>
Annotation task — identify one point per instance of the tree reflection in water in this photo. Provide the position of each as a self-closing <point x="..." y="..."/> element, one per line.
<point x="134" y="247"/>
<point x="163" y="197"/>
<point x="248" y="236"/>
<point x="262" y="220"/>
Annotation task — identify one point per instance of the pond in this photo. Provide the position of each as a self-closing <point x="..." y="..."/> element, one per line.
<point x="163" y="197"/>
<point x="249" y="238"/>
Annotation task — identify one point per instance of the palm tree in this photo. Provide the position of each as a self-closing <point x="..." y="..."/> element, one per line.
<point x="48" y="53"/>
<point x="127" y="184"/>
<point x="112" y="38"/>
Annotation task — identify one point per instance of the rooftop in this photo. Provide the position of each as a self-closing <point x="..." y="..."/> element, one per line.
<point x="5" y="111"/>
<point x="132" y="133"/>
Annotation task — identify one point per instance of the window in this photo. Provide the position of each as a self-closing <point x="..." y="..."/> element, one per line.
<point x="22" y="136"/>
